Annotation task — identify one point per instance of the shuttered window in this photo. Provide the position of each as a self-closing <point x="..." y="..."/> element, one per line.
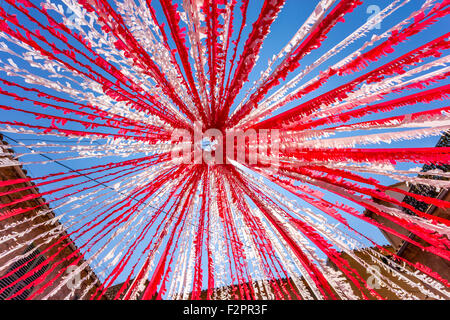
<point x="34" y="259"/>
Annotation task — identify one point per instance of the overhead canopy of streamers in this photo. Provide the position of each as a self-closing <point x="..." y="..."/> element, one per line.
<point x="95" y="93"/>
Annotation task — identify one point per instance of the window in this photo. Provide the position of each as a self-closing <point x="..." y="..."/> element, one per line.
<point x="36" y="259"/>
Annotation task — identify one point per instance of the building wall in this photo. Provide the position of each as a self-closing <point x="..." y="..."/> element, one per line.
<point x="376" y="271"/>
<point x="395" y="241"/>
<point x="409" y="251"/>
<point x="415" y="254"/>
<point x="28" y="229"/>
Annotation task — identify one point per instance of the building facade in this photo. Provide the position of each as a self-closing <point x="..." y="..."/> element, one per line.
<point x="25" y="236"/>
